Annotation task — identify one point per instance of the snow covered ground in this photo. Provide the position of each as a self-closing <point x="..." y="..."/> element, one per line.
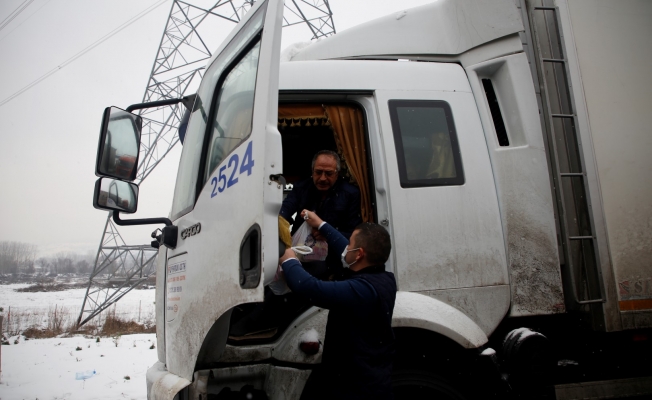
<point x="32" y="308"/>
<point x="46" y="369"/>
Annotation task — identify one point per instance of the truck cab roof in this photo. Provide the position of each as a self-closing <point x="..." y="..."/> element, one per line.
<point x="445" y="28"/>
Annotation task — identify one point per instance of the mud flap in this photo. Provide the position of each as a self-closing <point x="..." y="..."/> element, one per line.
<point x="162" y="385"/>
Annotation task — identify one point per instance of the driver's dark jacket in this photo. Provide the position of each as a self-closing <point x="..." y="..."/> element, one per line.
<point x="340" y="208"/>
<point x="359" y="343"/>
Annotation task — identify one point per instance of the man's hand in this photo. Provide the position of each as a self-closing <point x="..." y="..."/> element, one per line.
<point x="311" y="218"/>
<point x="289" y="253"/>
<point x="316" y="234"/>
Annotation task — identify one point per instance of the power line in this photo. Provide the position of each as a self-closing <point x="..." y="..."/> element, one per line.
<point x="84" y="51"/>
<point x="25" y="20"/>
<point x="15" y="13"/>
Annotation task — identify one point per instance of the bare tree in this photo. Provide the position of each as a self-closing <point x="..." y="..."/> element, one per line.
<point x="83" y="266"/>
<point x="45" y="265"/>
<point x="15" y="256"/>
<point x="64" y="262"/>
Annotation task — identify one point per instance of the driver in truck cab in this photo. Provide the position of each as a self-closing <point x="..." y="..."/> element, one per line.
<point x="325" y="193"/>
<point x="359" y="342"/>
<point x="331" y="197"/>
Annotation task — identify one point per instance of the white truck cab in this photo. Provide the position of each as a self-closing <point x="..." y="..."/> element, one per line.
<point x="436" y="114"/>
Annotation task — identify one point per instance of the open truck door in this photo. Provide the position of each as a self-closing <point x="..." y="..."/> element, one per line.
<point x="226" y="201"/>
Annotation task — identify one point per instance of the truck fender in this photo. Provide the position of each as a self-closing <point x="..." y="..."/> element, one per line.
<point x="161" y="384"/>
<point x="414" y="310"/>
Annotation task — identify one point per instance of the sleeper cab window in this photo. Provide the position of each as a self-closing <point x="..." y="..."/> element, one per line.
<point x="427" y="150"/>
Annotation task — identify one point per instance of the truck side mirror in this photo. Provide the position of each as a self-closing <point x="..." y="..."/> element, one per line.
<point x="115" y="195"/>
<point x="117" y="151"/>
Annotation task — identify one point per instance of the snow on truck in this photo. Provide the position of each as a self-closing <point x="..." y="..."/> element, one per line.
<point x="503" y="145"/>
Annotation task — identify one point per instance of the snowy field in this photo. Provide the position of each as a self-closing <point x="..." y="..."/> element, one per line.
<point x="32" y="308"/>
<point x="46" y="369"/>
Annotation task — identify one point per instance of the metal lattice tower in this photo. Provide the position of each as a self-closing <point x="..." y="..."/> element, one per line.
<point x="193" y="28"/>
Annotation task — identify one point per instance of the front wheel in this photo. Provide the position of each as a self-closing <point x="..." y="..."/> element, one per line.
<point x="418" y="384"/>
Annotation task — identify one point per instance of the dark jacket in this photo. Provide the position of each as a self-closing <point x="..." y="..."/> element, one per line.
<point x="340" y="208"/>
<point x="359" y="342"/>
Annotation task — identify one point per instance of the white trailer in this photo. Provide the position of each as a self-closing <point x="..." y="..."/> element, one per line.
<point x="502" y="144"/>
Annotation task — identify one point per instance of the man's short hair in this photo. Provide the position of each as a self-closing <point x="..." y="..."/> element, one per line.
<point x="327" y="153"/>
<point x="374" y="239"/>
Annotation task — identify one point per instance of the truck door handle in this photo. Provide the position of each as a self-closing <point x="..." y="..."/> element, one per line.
<point x="278" y="178"/>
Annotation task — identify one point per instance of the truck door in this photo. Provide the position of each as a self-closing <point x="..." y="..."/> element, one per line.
<point x="444" y="208"/>
<point x="225" y="202"/>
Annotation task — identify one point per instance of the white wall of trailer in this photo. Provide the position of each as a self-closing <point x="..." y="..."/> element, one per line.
<point x="610" y="59"/>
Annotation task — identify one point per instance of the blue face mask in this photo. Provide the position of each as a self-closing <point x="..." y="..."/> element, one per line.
<point x="344" y="253"/>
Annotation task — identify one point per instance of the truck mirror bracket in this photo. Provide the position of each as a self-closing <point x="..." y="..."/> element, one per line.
<point x="169" y="233"/>
<point x="186" y="100"/>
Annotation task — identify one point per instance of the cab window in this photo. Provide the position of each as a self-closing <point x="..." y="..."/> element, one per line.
<point x="427" y="150"/>
<point x="221" y="78"/>
<point x="234" y="105"/>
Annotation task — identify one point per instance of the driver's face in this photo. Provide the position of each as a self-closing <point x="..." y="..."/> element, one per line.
<point x="324" y="174"/>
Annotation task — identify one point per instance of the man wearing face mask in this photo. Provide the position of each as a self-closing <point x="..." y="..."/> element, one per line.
<point x="338" y="202"/>
<point x="359" y="342"/>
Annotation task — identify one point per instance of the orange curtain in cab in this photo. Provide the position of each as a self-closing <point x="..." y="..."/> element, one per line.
<point x="295" y="115"/>
<point x="348" y="128"/>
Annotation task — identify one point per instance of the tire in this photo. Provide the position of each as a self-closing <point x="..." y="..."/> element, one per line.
<point x="419" y="384"/>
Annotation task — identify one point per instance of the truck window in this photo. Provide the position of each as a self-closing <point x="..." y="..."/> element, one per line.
<point x="189" y="181"/>
<point x="427" y="150"/>
<point x="496" y="115"/>
<point x="234" y="106"/>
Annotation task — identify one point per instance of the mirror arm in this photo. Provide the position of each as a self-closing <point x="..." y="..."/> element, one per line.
<point x="141" y="221"/>
<point x="168" y="236"/>
<point x="186" y="100"/>
<point x="152" y="104"/>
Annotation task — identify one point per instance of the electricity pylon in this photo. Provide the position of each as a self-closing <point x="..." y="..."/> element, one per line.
<point x="193" y="28"/>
